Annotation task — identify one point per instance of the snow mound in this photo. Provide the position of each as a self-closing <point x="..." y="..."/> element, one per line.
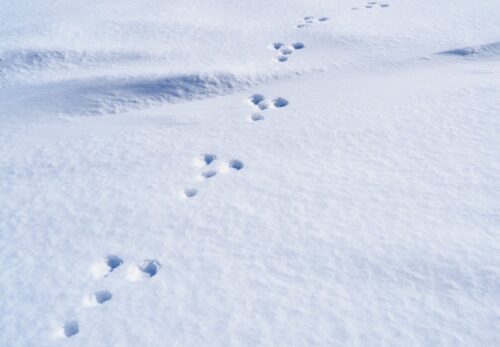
<point x="29" y="59"/>
<point x="482" y="51"/>
<point x="117" y="94"/>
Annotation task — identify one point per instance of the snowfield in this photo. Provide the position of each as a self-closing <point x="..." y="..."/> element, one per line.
<point x="229" y="173"/>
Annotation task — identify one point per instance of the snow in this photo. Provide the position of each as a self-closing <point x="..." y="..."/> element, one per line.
<point x="166" y="180"/>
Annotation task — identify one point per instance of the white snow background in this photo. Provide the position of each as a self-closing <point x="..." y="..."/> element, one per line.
<point x="170" y="178"/>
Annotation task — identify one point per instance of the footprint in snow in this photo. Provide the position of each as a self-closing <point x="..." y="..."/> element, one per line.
<point x="256" y="99"/>
<point x="70" y="328"/>
<point x="202" y="160"/>
<point x="143" y="270"/>
<point x="262" y="103"/>
<point x="235" y="164"/>
<point x="309" y="20"/>
<point x="255" y="117"/>
<point x="282" y="58"/>
<point x="190" y="192"/>
<point x="205" y="159"/>
<point x="278" y="45"/>
<point x="285" y="51"/>
<point x="298" y="45"/>
<point x="113" y="261"/>
<point x="97" y="298"/>
<point x="208" y="174"/>
<point x="280" y="102"/>
<point x="105" y="266"/>
<point x="372" y="4"/>
<point x="208" y="161"/>
<point x="100" y="269"/>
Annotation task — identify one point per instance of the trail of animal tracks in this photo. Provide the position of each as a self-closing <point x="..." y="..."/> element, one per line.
<point x="217" y="173"/>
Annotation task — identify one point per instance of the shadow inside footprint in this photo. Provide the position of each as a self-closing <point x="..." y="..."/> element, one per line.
<point x="208" y="158"/>
<point x="308" y="19"/>
<point x="280" y="102"/>
<point x="190" y="192"/>
<point x="102" y="296"/>
<point x="113" y="261"/>
<point x="278" y="45"/>
<point x="263" y="105"/>
<point x="235" y="164"/>
<point x="150" y="267"/>
<point x="257" y="117"/>
<point x="71" y="328"/>
<point x="256" y="99"/>
<point x="298" y="45"/>
<point x="209" y="174"/>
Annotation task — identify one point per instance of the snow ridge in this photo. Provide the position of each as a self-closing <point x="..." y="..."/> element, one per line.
<point x="488" y="50"/>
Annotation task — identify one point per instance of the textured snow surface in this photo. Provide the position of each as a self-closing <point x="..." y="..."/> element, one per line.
<point x="228" y="173"/>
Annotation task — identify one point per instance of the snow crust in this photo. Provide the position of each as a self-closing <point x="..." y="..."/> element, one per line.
<point x="227" y="173"/>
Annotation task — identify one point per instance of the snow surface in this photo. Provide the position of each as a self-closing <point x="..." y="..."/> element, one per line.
<point x="228" y="173"/>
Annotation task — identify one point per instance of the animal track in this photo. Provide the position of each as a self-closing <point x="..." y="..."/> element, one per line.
<point x="298" y="45"/>
<point x="282" y="58"/>
<point x="279" y="102"/>
<point x="71" y="328"/>
<point x="190" y="192"/>
<point x="99" y="297"/>
<point x="150" y="267"/>
<point x="113" y="261"/>
<point x="208" y="174"/>
<point x="278" y="45"/>
<point x="144" y="270"/>
<point x="207" y="161"/>
<point x="256" y="99"/>
<point x="285" y="51"/>
<point x="235" y="164"/>
<point x="372" y="4"/>
<point x="256" y="117"/>
<point x="102" y="296"/>
<point x="308" y="20"/>
<point x="208" y="158"/>
<point x="263" y="103"/>
<point x="105" y="266"/>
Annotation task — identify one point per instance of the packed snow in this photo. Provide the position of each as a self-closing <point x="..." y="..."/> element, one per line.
<point x="249" y="173"/>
